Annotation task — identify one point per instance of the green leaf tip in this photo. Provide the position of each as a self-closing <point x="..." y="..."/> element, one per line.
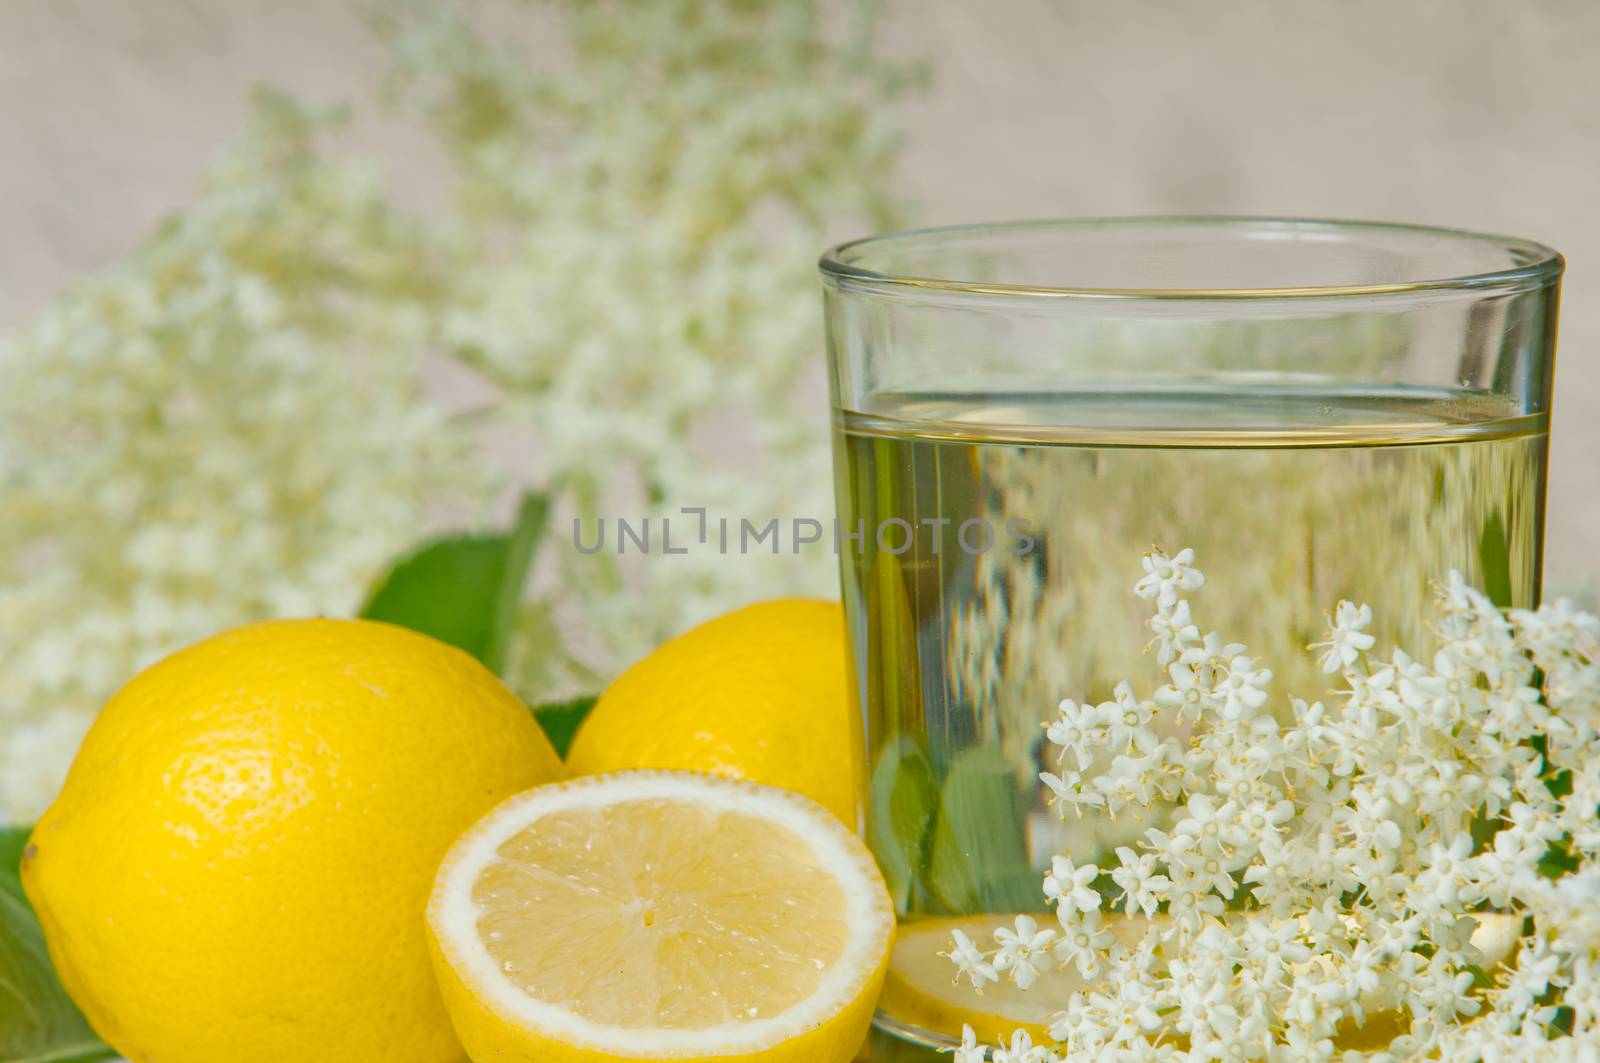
<point x="465" y="589"/>
<point x="561" y="720"/>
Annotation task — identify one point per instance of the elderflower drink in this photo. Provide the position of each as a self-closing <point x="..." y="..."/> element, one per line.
<point x="1321" y="412"/>
<point x="1003" y="601"/>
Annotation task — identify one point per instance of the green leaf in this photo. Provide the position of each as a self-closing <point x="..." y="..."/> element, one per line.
<point x="12" y="841"/>
<point x="562" y="719"/>
<point x="38" y="1021"/>
<point x="980" y="849"/>
<point x="902" y="806"/>
<point x="464" y="589"/>
<point x="1494" y="557"/>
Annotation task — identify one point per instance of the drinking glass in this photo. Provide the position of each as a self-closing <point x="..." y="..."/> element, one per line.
<point x="1321" y="410"/>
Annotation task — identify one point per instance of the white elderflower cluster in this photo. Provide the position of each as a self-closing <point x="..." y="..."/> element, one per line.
<point x="229" y="424"/>
<point x="225" y="426"/>
<point x="1404" y="870"/>
<point x="637" y="234"/>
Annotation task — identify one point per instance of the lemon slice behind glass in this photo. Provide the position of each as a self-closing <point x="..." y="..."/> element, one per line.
<point x="660" y="915"/>
<point x="923" y="995"/>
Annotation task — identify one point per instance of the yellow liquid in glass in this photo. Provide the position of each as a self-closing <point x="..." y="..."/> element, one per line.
<point x="1292" y="500"/>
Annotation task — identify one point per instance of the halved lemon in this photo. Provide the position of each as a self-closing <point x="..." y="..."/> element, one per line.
<point x="660" y="916"/>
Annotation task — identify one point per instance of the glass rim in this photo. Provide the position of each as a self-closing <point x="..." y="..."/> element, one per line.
<point x="1537" y="265"/>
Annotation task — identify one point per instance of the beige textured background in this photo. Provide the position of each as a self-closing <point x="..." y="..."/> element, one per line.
<point x="1477" y="113"/>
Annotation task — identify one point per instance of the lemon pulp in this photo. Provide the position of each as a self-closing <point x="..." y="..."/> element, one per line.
<point x="619" y="913"/>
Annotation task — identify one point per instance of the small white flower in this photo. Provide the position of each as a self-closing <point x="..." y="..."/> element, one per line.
<point x="1135" y="1008"/>
<point x="970" y="962"/>
<point x="1128" y="720"/>
<point x="1078" y="1025"/>
<point x="1243" y="689"/>
<point x="1072" y="885"/>
<point x="1258" y="821"/>
<point x="1213" y="654"/>
<point x="1067" y="789"/>
<point x="1207" y="821"/>
<point x="1185" y="695"/>
<point x="1166" y="576"/>
<point x="1076" y="731"/>
<point x="969" y="1051"/>
<point x="1306" y="1045"/>
<point x="1083" y="939"/>
<point x="1446" y="874"/>
<point x="1021" y="1050"/>
<point x="1024" y="951"/>
<point x="1273" y="945"/>
<point x="1173" y="633"/>
<point x="1190" y="904"/>
<point x="1347" y="638"/>
<point x="1141" y="886"/>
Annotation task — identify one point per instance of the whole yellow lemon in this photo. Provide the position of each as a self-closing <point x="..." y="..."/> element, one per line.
<point x="238" y="866"/>
<point x="759" y="694"/>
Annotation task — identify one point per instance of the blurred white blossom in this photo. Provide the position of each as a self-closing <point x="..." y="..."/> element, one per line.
<point x="229" y="424"/>
<point x="225" y="426"/>
<point x="636" y="240"/>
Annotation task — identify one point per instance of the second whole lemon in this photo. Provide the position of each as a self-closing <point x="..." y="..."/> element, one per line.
<point x="759" y="694"/>
<point x="239" y="863"/>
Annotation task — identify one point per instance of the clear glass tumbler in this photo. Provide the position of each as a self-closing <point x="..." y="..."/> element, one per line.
<point x="1321" y="410"/>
